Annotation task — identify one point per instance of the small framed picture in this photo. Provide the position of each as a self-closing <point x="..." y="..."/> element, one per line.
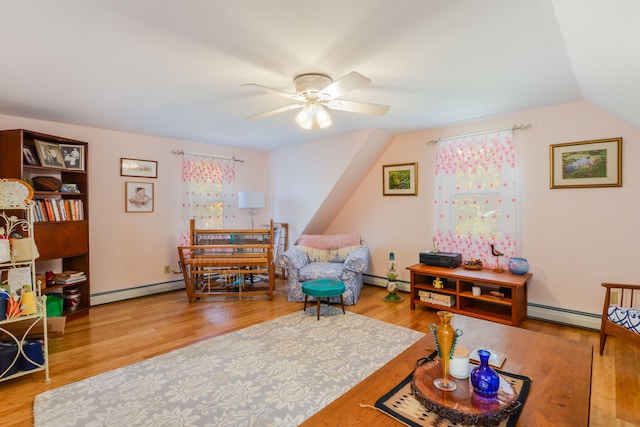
<point x="138" y="168"/>
<point x="586" y="164"/>
<point x="73" y="156"/>
<point x="400" y="179"/>
<point x="139" y="196"/>
<point x="50" y="154"/>
<point x="29" y="156"/>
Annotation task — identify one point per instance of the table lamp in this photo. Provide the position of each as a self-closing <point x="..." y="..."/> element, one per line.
<point x="251" y="200"/>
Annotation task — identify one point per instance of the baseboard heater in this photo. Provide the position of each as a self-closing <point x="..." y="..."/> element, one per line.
<point x="138" y="291"/>
<point x="534" y="311"/>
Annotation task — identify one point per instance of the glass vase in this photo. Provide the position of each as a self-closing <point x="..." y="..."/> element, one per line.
<point x="445" y="336"/>
<point x="392" y="285"/>
<point x="484" y="380"/>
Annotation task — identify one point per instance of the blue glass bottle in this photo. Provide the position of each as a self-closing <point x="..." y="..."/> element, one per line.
<point x="484" y="379"/>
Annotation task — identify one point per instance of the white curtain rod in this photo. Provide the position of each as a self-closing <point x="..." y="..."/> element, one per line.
<point x="514" y="127"/>
<point x="207" y="155"/>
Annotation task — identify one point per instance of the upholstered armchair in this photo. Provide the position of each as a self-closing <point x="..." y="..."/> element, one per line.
<point x="339" y="257"/>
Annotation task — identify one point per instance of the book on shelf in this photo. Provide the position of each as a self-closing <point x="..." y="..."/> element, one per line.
<point x="58" y="210"/>
<point x="62" y="281"/>
<point x="68" y="274"/>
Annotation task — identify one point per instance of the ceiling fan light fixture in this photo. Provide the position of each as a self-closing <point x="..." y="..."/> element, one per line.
<point x="313" y="116"/>
<point x="322" y="117"/>
<point x="314" y="92"/>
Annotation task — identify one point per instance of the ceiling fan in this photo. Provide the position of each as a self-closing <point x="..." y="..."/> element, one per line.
<point x="314" y="91"/>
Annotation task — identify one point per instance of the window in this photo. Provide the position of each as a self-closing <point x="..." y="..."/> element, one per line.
<point x="208" y="193"/>
<point x="475" y="196"/>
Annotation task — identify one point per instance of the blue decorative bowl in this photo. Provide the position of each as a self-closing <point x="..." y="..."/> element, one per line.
<point x="518" y="266"/>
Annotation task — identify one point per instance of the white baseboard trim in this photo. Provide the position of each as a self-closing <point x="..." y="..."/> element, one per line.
<point x="534" y="311"/>
<point x="566" y="317"/>
<point x="382" y="282"/>
<point x="140" y="291"/>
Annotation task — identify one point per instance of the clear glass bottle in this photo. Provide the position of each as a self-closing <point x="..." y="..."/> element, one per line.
<point x="392" y="276"/>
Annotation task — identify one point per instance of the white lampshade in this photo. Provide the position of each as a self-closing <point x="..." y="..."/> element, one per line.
<point x="251" y="199"/>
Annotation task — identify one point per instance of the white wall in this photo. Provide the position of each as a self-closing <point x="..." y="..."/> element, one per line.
<point x="129" y="250"/>
<point x="311" y="182"/>
<point x="574" y="239"/>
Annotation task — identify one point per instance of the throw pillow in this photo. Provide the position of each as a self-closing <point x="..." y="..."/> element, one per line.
<point x="331" y="241"/>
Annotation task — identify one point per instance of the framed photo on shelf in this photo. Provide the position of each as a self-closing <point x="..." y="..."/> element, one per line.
<point x="29" y="156"/>
<point x="400" y="179"/>
<point x="139" y="196"/>
<point x="138" y="168"/>
<point x="586" y="164"/>
<point x="50" y="154"/>
<point x="73" y="156"/>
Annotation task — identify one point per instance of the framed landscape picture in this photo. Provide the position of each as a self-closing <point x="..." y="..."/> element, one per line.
<point x="139" y="196"/>
<point x="73" y="156"/>
<point x="138" y="168"/>
<point x="50" y="154"/>
<point x="586" y="164"/>
<point x="400" y="179"/>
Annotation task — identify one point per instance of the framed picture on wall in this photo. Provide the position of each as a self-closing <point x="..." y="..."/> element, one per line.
<point x="400" y="179"/>
<point x="138" y="168"/>
<point x="586" y="164"/>
<point x="139" y="196"/>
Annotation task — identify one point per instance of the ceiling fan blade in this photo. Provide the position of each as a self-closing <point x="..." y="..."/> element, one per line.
<point x="272" y="112"/>
<point x="276" y="91"/>
<point x="351" y="81"/>
<point x="357" y="107"/>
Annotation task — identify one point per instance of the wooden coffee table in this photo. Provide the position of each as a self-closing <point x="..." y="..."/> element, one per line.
<point x="560" y="371"/>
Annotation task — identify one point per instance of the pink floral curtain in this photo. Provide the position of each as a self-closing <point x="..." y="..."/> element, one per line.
<point x="208" y="193"/>
<point x="476" y="197"/>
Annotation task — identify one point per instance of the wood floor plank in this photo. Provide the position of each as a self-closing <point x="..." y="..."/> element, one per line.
<point x="121" y="333"/>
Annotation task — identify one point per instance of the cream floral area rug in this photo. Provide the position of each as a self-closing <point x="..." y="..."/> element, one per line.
<point x="277" y="373"/>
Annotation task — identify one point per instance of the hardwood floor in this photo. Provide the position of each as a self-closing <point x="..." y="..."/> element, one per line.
<point x="121" y="333"/>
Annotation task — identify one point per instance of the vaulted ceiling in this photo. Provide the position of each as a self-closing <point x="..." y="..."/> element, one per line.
<point x="174" y="68"/>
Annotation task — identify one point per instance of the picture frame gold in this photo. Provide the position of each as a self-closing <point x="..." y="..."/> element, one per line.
<point x="49" y="154"/>
<point x="400" y="179"/>
<point x="586" y="164"/>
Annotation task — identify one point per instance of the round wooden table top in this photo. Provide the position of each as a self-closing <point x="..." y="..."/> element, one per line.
<point x="462" y="404"/>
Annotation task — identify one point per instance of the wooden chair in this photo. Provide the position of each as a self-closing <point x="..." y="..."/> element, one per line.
<point x="623" y="296"/>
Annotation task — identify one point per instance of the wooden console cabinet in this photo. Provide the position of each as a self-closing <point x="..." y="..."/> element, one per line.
<point x="457" y="284"/>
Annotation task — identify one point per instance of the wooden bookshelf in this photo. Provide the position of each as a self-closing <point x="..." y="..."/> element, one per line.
<point x="60" y="239"/>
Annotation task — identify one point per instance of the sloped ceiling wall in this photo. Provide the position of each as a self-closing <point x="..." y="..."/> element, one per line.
<point x="312" y="182"/>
